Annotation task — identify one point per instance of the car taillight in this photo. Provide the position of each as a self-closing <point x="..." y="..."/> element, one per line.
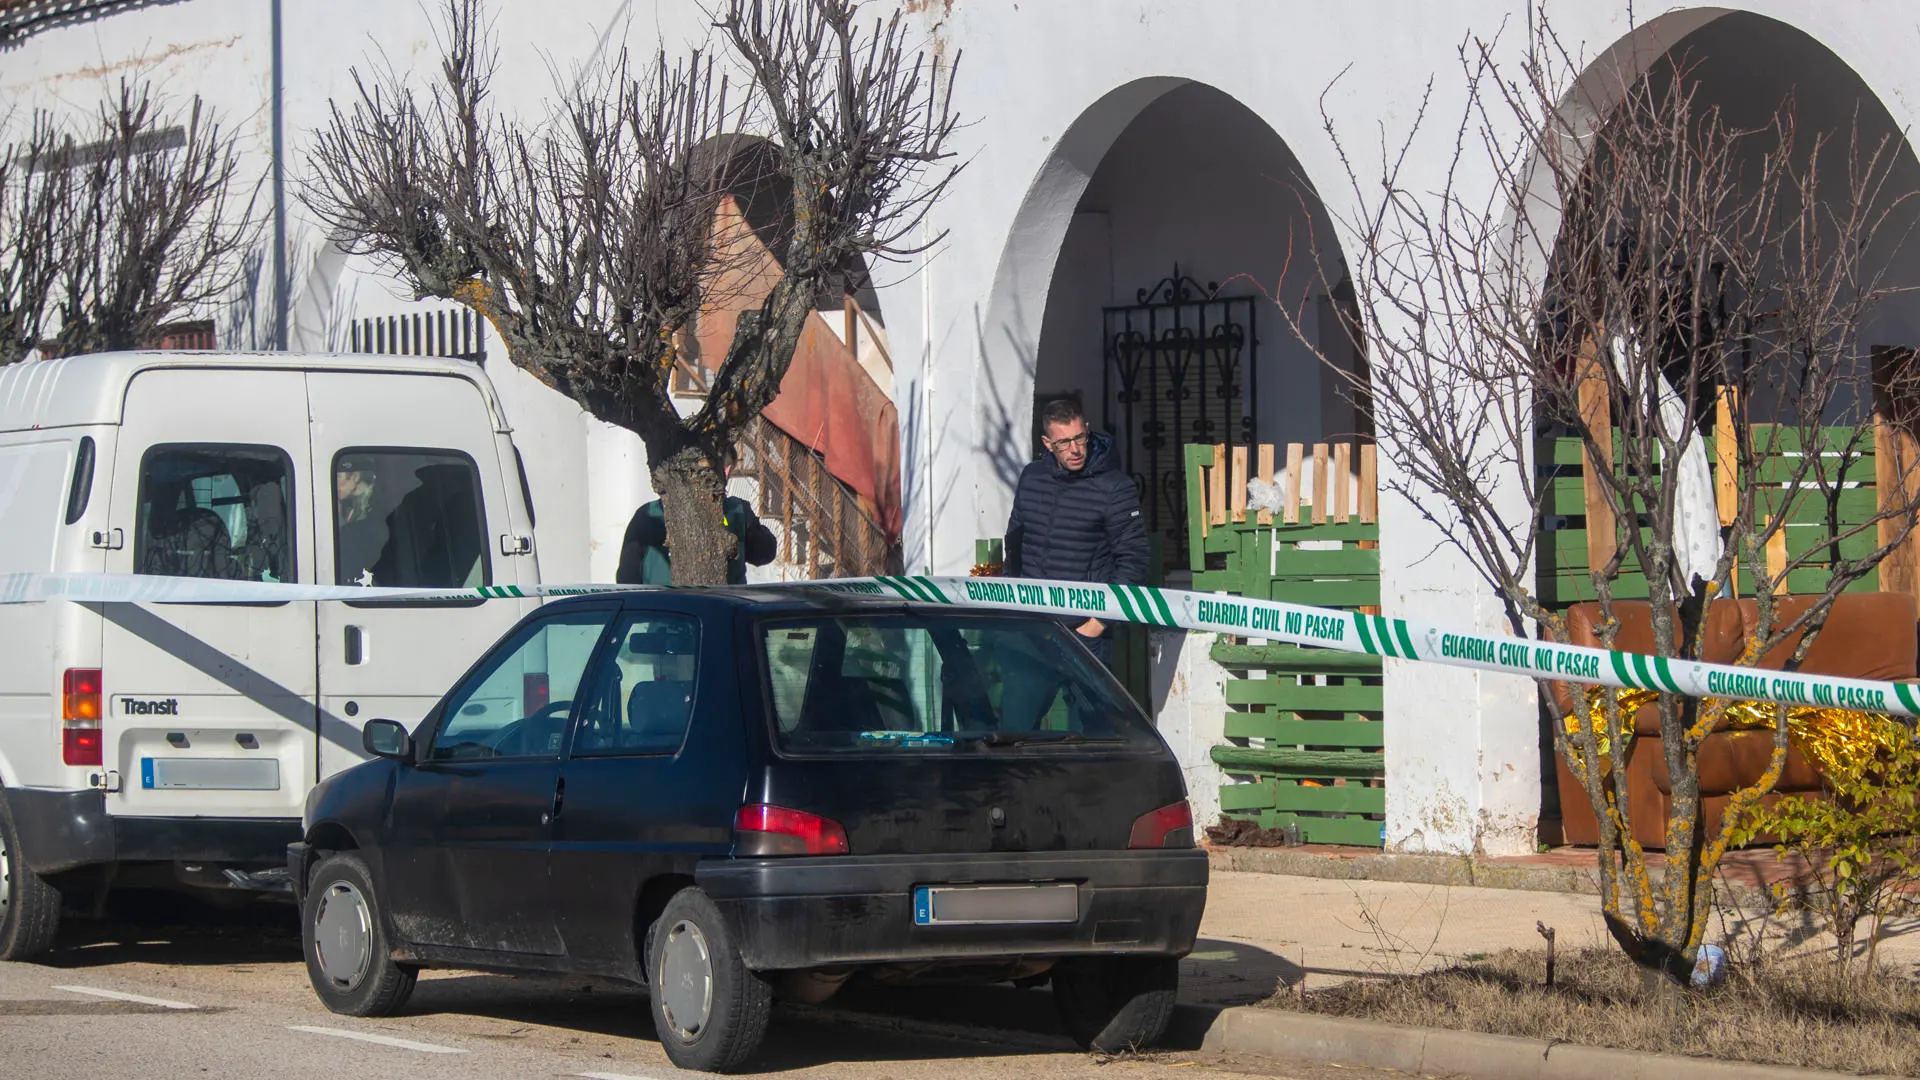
<point x="80" y="710"/>
<point x="759" y="829"/>
<point x="534" y="694"/>
<point x="1167" y="827"/>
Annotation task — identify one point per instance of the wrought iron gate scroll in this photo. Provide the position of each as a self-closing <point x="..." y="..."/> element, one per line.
<point x="1180" y="369"/>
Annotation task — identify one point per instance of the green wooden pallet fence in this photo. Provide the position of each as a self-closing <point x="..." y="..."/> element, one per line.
<point x="1304" y="747"/>
<point x="1565" y="575"/>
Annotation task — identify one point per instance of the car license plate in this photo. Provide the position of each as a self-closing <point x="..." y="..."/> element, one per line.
<point x="211" y="774"/>
<point x="963" y="905"/>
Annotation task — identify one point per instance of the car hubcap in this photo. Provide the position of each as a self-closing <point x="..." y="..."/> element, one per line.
<point x="343" y="935"/>
<point x="686" y="980"/>
<point x="6" y="877"/>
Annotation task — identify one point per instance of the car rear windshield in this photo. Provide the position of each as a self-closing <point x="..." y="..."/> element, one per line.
<point x="918" y="683"/>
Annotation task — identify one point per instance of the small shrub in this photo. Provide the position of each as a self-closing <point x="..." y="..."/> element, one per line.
<point x="1861" y="845"/>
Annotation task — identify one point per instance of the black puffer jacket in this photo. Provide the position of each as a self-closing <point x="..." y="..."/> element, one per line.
<point x="1081" y="526"/>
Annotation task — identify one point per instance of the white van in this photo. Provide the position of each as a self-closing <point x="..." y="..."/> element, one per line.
<point x="176" y="743"/>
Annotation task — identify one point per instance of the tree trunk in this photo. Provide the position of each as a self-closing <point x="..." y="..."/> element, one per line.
<point x="692" y="490"/>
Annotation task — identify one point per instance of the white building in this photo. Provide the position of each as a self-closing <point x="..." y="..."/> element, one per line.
<point x="1107" y="143"/>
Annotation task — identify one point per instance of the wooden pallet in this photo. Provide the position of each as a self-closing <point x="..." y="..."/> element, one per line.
<point x="1569" y="549"/>
<point x="1304" y="745"/>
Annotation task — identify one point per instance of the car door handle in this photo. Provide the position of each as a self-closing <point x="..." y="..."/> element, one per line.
<point x="559" y="799"/>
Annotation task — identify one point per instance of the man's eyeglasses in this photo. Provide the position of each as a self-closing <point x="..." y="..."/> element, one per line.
<point x="1077" y="441"/>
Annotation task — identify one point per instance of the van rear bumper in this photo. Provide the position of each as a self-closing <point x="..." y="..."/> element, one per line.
<point x="62" y="830"/>
<point x="846" y="910"/>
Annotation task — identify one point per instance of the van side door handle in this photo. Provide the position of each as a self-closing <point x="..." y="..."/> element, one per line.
<point x="356" y="646"/>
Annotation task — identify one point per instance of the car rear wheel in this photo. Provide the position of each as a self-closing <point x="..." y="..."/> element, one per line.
<point x="1111" y="1004"/>
<point x="349" y="959"/>
<point x="29" y="906"/>
<point x="711" y="1011"/>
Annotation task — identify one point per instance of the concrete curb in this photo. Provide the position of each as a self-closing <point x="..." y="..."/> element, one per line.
<point x="1439" y="870"/>
<point x="1277" y="1033"/>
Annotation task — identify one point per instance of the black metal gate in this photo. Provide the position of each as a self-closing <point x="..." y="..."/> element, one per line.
<point x="1180" y="368"/>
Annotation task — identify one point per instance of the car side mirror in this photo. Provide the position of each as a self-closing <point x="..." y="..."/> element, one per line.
<point x="387" y="739"/>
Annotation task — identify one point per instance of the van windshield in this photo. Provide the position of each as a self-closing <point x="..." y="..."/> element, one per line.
<point x="960" y="683"/>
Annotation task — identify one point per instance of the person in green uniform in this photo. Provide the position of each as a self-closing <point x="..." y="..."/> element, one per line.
<point x="643" y="554"/>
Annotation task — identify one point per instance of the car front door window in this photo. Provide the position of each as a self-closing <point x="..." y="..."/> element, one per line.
<point x="517" y="704"/>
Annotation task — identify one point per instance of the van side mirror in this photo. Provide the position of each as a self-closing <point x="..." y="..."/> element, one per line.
<point x="387" y="739"/>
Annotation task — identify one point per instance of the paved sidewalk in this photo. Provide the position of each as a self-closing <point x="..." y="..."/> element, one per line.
<point x="1264" y="932"/>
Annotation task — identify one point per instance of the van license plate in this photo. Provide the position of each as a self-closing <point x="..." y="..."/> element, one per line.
<point x="962" y="905"/>
<point x="210" y="774"/>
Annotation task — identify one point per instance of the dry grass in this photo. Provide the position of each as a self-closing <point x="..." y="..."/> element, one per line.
<point x="1804" y="1012"/>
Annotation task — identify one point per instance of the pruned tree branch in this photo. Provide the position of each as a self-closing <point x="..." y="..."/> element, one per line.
<point x="117" y="229"/>
<point x="589" y="239"/>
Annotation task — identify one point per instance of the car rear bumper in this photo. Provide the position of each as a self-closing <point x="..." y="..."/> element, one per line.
<point x="846" y="910"/>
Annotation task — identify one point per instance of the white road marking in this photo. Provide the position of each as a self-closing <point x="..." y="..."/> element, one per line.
<point x="378" y="1040"/>
<point x="137" y="999"/>
<point x="612" y="1076"/>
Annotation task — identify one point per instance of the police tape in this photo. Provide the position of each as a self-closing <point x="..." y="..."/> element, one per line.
<point x="1298" y="624"/>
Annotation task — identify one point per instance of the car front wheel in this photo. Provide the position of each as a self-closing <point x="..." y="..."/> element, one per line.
<point x="1112" y="1004"/>
<point x="349" y="959"/>
<point x="711" y="1011"/>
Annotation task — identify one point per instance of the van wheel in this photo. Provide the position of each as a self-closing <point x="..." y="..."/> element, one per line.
<point x="1111" y="1004"/>
<point x="29" y="906"/>
<point x="711" y="1012"/>
<point x="349" y="959"/>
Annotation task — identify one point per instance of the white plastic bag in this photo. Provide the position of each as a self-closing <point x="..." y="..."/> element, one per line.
<point x="1262" y="495"/>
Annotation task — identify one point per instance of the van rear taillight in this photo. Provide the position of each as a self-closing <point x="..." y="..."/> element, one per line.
<point x="80" y="711"/>
<point x="759" y="829"/>
<point x="1167" y="827"/>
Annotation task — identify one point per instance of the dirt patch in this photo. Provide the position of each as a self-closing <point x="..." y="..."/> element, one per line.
<point x="1235" y="832"/>
<point x="1804" y="1012"/>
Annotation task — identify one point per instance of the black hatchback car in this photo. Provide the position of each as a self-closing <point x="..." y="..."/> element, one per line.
<point x="727" y="795"/>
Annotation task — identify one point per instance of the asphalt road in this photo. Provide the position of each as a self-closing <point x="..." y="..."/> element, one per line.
<point x="162" y="990"/>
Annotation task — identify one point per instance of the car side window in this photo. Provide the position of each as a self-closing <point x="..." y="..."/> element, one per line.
<point x="211" y="511"/>
<point x="642" y="699"/>
<point x="517" y="703"/>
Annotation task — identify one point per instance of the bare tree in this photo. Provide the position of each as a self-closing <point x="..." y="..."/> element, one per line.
<point x="32" y="195"/>
<point x="158" y="219"/>
<point x="588" y="240"/>
<point x="1637" y="271"/>
<point x="114" y="228"/>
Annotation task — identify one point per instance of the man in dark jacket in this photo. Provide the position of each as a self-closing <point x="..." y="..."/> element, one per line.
<point x="643" y="553"/>
<point x="1076" y="517"/>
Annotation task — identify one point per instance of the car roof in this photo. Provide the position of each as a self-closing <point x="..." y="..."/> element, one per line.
<point x="785" y="599"/>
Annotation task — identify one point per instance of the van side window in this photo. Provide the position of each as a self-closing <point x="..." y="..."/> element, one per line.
<point x="215" y="512"/>
<point x="407" y="518"/>
<point x="82" y="487"/>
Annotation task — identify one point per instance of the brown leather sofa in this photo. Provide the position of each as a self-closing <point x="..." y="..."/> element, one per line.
<point x="1867" y="636"/>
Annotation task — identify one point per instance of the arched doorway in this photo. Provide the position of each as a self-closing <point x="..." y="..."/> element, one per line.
<point x="1197" y="275"/>
<point x="1742" y="71"/>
